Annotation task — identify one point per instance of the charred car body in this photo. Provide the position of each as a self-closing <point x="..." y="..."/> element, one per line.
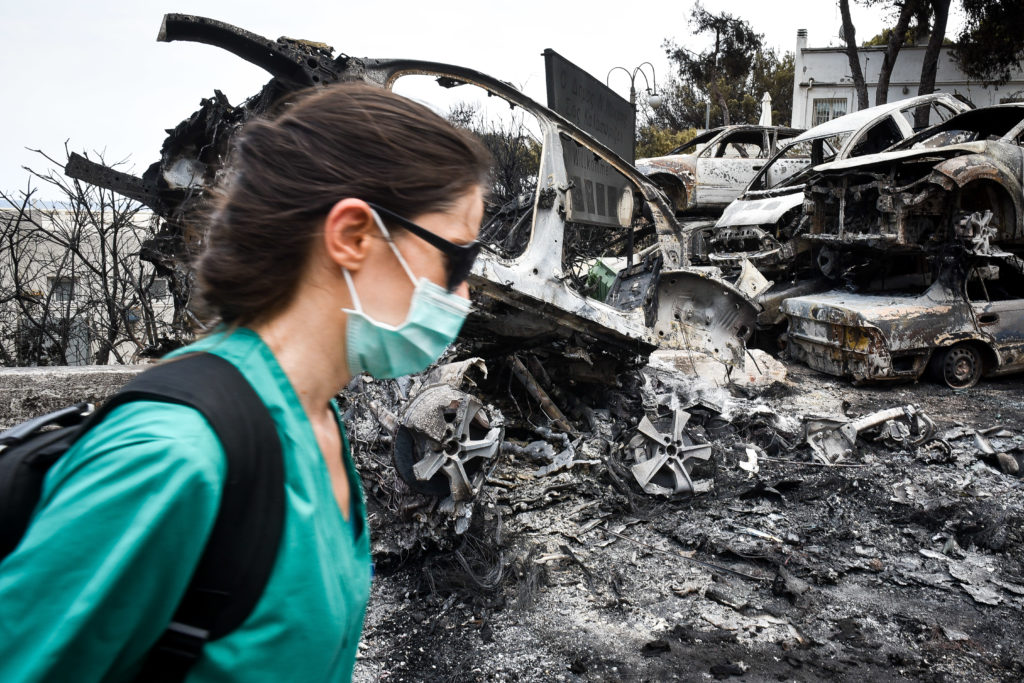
<point x="941" y="210"/>
<point x="962" y="327"/>
<point x="711" y="170"/>
<point x="529" y="289"/>
<point x="760" y="226"/>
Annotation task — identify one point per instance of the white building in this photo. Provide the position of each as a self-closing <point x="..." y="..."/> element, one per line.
<point x="823" y="86"/>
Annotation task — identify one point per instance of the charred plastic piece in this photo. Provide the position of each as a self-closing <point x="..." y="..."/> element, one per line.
<point x="446" y="443"/>
<point x="664" y="458"/>
<point x="833" y="440"/>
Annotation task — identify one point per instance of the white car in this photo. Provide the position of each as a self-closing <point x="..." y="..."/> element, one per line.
<point x="712" y="169"/>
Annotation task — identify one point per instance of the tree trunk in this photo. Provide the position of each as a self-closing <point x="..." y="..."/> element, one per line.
<point x="850" y="36"/>
<point x="931" y="57"/>
<point x="716" y="92"/>
<point x="931" y="54"/>
<point x="892" y="50"/>
<point x="726" y="119"/>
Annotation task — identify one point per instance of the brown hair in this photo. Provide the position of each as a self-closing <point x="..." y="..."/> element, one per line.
<point x="286" y="172"/>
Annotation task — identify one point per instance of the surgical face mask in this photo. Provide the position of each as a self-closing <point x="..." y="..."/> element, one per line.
<point x="433" y="322"/>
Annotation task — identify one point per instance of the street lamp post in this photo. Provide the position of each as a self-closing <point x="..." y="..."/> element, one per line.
<point x="653" y="98"/>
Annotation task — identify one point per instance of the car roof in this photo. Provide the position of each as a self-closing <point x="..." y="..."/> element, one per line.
<point x="858" y="119"/>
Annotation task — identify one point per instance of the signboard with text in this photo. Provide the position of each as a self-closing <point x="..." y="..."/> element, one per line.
<point x="596" y="187"/>
<point x="590" y="104"/>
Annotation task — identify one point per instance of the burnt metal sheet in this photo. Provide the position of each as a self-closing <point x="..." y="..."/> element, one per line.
<point x="697" y="311"/>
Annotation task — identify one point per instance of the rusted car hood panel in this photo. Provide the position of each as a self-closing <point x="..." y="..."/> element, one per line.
<point x="907" y="322"/>
<point x="679" y="164"/>
<point x="768" y="210"/>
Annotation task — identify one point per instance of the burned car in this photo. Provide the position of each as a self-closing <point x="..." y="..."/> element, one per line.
<point x="760" y="226"/>
<point x="943" y="210"/>
<point x="711" y="170"/>
<point x="909" y="198"/>
<point x="531" y="287"/>
<point x="968" y="323"/>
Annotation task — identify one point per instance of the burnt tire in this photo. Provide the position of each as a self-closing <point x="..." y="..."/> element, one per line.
<point x="959" y="366"/>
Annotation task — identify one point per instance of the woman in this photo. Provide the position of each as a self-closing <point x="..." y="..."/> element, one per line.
<point x="338" y="245"/>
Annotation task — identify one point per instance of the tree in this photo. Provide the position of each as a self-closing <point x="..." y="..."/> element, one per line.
<point x="940" y="15"/>
<point x="654" y="141"/>
<point x="850" y="38"/>
<point x="989" y="47"/>
<point x="914" y="19"/>
<point x="515" y="151"/>
<point x="76" y="277"/>
<point x="897" y="36"/>
<point x="724" y="83"/>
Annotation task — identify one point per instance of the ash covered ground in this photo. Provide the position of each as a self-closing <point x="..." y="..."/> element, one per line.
<point x="898" y="563"/>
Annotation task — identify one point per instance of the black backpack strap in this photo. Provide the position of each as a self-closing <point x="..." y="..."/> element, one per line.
<point x="242" y="548"/>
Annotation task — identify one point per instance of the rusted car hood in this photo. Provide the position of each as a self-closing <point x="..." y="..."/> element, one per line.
<point x="907" y="322"/>
<point x="759" y="211"/>
<point x="903" y="155"/>
<point x="850" y="308"/>
<point x="676" y="163"/>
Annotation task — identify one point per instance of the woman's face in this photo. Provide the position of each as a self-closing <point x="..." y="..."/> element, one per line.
<point x="384" y="287"/>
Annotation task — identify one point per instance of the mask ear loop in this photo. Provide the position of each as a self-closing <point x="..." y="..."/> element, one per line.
<point x="398" y="254"/>
<point x="352" y="290"/>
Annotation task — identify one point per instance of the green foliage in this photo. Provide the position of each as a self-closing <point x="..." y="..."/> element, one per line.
<point x="913" y="36"/>
<point x="990" y="46"/>
<point x="735" y="72"/>
<point x="655" y="141"/>
<point x="918" y="27"/>
<point x="882" y="39"/>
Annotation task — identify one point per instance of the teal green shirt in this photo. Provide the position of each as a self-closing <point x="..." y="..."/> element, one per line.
<point x="122" y="522"/>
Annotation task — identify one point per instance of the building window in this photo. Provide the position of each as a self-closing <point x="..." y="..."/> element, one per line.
<point x="62" y="289"/>
<point x="158" y="288"/>
<point x="829" y="108"/>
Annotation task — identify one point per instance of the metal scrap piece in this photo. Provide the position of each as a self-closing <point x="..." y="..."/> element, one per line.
<point x="832" y="440"/>
<point x="558" y="418"/>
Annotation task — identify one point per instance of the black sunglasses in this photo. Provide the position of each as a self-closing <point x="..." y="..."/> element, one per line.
<point x="459" y="257"/>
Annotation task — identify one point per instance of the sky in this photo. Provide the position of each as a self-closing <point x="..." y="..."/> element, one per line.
<point x="92" y="74"/>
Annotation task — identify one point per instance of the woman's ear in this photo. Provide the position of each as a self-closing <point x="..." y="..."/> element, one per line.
<point x="348" y="231"/>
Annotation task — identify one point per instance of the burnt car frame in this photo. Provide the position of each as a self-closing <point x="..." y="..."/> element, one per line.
<point x="909" y="198"/>
<point x="526" y="291"/>
<point x="967" y="324"/>
<point x="711" y="170"/>
<point x="760" y="224"/>
<point x="942" y="209"/>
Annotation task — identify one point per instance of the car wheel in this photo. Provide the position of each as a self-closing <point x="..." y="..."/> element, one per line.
<point x="960" y="366"/>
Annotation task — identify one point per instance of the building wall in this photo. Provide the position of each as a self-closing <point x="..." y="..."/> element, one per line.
<point x="824" y="73"/>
